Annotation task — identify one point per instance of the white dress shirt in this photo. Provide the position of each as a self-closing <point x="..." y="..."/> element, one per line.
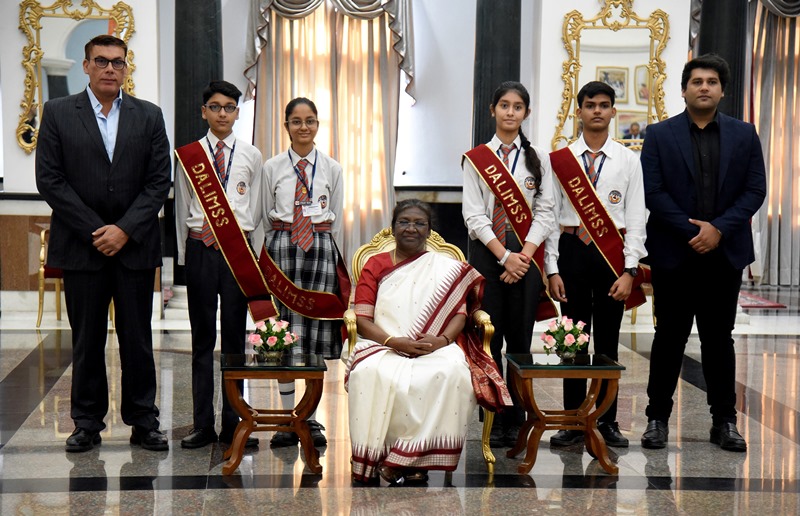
<point x="478" y="200"/>
<point x="108" y="124"/>
<point x="327" y="190"/>
<point x="243" y="190"/>
<point x="621" y="179"/>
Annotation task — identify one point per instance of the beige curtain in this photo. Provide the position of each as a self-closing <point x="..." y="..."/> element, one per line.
<point x="774" y="101"/>
<point x="350" y="67"/>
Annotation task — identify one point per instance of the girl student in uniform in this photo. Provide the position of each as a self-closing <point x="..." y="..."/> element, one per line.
<point x="303" y="201"/>
<point x="513" y="281"/>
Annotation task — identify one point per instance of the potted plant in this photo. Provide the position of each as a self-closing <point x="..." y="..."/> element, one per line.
<point x="565" y="338"/>
<point x="271" y="338"/>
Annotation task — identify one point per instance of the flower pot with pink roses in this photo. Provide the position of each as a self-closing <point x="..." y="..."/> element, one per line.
<point x="271" y="338"/>
<point x="565" y="338"/>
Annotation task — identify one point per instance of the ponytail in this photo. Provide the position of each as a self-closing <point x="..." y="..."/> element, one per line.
<point x="532" y="162"/>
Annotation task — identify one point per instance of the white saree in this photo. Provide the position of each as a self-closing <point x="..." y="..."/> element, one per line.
<point x="412" y="412"/>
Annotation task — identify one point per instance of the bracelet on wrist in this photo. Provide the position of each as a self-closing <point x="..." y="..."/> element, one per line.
<point x="448" y="339"/>
<point x="502" y="261"/>
<point x="390" y="337"/>
<point x="552" y="274"/>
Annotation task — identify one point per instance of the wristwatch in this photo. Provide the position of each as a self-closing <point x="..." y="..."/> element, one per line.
<point x="633" y="271"/>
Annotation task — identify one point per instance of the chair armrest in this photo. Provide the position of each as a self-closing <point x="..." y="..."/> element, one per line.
<point x="485" y="328"/>
<point x="350" y="323"/>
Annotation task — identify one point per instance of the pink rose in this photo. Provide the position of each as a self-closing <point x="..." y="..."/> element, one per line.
<point x="544" y="337"/>
<point x="260" y="325"/>
<point x="564" y="319"/>
<point x="569" y="339"/>
<point x="583" y="338"/>
<point x="276" y="328"/>
<point x="553" y="326"/>
<point x="284" y="324"/>
<point x="580" y="325"/>
<point x="550" y="341"/>
<point x="254" y="339"/>
<point x="568" y="325"/>
<point x="288" y="339"/>
<point x="271" y="341"/>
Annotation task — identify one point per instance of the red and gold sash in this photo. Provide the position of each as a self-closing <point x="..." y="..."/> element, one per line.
<point x="308" y="303"/>
<point x="500" y="181"/>
<point x="595" y="219"/>
<point x="229" y="235"/>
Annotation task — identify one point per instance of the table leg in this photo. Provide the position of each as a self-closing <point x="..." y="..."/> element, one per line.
<point x="595" y="444"/>
<point x="304" y="409"/>
<point x="524" y="389"/>
<point x="235" y="453"/>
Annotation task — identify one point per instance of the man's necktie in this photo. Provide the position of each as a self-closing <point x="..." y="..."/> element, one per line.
<point x="591" y="171"/>
<point x="301" y="225"/>
<point x="499" y="215"/>
<point x="219" y="159"/>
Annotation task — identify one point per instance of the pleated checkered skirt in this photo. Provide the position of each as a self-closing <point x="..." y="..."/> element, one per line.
<point x="312" y="270"/>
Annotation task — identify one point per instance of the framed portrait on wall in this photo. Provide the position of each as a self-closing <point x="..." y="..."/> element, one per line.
<point x="641" y="85"/>
<point x="626" y="123"/>
<point x="617" y="78"/>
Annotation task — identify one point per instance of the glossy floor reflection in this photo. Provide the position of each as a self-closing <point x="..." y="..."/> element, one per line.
<point x="691" y="476"/>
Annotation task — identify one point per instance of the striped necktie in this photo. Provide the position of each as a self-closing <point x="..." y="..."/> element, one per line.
<point x="302" y="234"/>
<point x="219" y="160"/>
<point x="499" y="215"/>
<point x="591" y="171"/>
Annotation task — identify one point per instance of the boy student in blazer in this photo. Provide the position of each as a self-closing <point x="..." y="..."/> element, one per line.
<point x="208" y="274"/>
<point x="578" y="275"/>
<point x="704" y="179"/>
<point x="102" y="164"/>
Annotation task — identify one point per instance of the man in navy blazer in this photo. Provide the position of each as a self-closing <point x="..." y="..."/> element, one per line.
<point x="704" y="179"/>
<point x="103" y="166"/>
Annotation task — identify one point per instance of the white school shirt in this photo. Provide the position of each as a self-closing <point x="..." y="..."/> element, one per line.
<point x="478" y="200"/>
<point x="243" y="190"/>
<point x="327" y="189"/>
<point x="620" y="188"/>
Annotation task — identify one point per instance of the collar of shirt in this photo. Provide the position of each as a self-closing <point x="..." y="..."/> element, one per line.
<point x="229" y="140"/>
<point x="714" y="121"/>
<point x="579" y="147"/>
<point x="496" y="143"/>
<point x="97" y="106"/>
<point x="296" y="157"/>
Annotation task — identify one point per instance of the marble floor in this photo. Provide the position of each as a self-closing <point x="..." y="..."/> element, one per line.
<point x="691" y="476"/>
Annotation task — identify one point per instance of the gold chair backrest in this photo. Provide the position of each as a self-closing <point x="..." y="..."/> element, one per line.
<point x="384" y="241"/>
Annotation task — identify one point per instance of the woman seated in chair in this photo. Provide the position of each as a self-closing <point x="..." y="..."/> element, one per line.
<point x="418" y="369"/>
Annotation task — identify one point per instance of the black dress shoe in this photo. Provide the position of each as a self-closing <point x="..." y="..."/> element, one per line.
<point x="251" y="442"/>
<point x="612" y="436"/>
<point x="316" y="433"/>
<point x="566" y="438"/>
<point x="152" y="440"/>
<point x="655" y="435"/>
<point x="283" y="440"/>
<point x="510" y="435"/>
<point x="497" y="439"/>
<point x="728" y="437"/>
<point x="82" y="440"/>
<point x="199" y="438"/>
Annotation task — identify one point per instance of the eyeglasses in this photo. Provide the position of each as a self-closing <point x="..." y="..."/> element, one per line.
<point x="116" y="64"/>
<point x="405" y="224"/>
<point x="297" y="123"/>
<point x="230" y="108"/>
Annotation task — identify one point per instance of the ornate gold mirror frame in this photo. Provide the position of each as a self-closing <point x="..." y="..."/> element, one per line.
<point x="615" y="15"/>
<point x="31" y="12"/>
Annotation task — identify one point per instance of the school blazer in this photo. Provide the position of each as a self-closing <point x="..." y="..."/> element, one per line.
<point x="87" y="191"/>
<point x="671" y="194"/>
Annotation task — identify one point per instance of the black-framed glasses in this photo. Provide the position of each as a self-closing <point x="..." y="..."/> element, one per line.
<point x="229" y="108"/>
<point x="297" y="123"/>
<point x="116" y="64"/>
<point x="405" y="224"/>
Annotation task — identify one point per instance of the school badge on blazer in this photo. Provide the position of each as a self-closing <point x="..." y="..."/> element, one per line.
<point x="614" y="196"/>
<point x="241" y="187"/>
<point x="530" y="184"/>
<point x="323" y="201"/>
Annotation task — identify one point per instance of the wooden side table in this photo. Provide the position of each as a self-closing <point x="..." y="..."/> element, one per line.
<point x="310" y="368"/>
<point x="524" y="368"/>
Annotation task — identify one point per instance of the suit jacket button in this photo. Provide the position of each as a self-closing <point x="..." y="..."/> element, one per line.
<point x="111" y="188"/>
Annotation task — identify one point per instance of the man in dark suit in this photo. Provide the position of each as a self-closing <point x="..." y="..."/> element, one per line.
<point x="102" y="164"/>
<point x="704" y="179"/>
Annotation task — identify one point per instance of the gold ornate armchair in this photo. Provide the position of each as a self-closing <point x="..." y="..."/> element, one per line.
<point x="383" y="242"/>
